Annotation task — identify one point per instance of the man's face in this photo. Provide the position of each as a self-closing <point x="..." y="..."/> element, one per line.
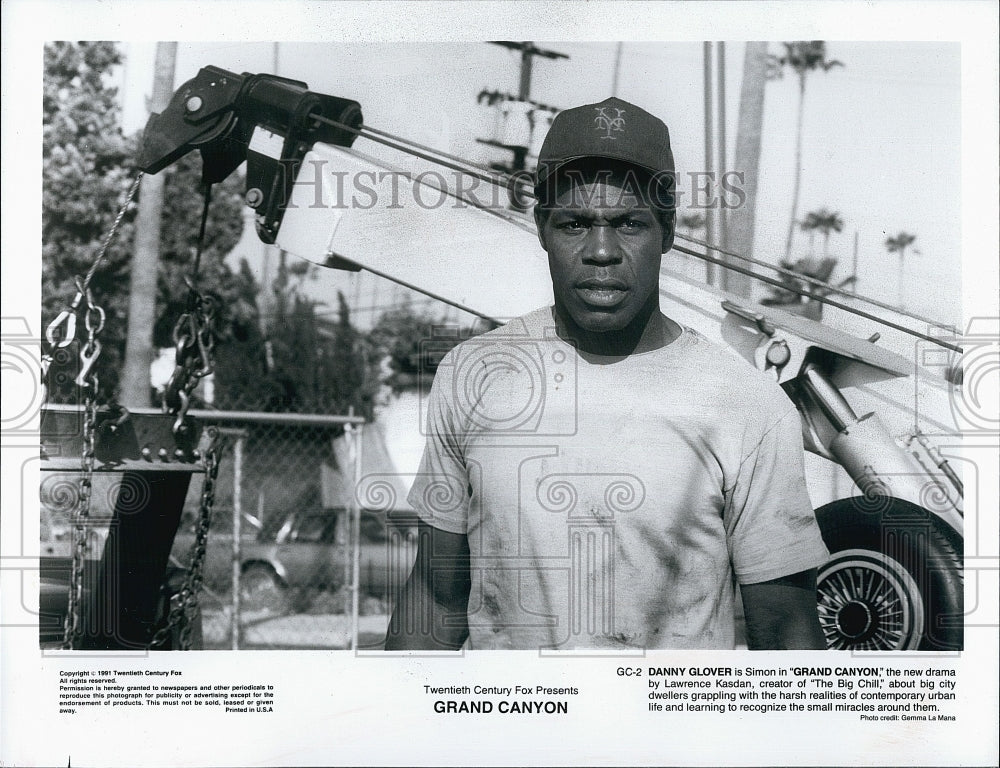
<point x="604" y="243"/>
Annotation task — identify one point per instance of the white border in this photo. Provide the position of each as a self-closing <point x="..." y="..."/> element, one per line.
<point x="345" y="710"/>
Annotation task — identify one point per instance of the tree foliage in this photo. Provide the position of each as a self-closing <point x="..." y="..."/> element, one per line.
<point x="413" y="343"/>
<point x="691" y="221"/>
<point x="802" y="57"/>
<point x="299" y="363"/>
<point x="355" y="386"/>
<point x="292" y="360"/>
<point x="900" y="243"/>
<point x="88" y="165"/>
<point x="85" y="175"/>
<point x="182" y="210"/>
<point x="824" y="221"/>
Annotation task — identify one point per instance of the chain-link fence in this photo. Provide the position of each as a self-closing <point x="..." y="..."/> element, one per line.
<point x="294" y="557"/>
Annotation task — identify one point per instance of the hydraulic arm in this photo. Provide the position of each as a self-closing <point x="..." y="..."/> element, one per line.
<point x="266" y="120"/>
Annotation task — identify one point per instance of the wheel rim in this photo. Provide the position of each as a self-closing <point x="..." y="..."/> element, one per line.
<point x="869" y="602"/>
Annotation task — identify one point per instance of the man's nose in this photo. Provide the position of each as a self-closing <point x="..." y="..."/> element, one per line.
<point x="602" y="245"/>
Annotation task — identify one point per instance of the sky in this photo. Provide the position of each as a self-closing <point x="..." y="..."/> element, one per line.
<point x="882" y="134"/>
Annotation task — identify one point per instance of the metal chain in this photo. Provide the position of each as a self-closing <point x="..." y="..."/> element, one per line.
<point x="61" y="332"/>
<point x="88" y="381"/>
<point x="194" y="337"/>
<point x="184" y="604"/>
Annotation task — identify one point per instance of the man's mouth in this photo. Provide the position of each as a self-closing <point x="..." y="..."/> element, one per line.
<point x="601" y="292"/>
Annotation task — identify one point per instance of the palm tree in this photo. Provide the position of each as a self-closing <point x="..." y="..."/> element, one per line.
<point x="809" y="224"/>
<point x="802" y="57"/>
<point x="899" y="244"/>
<point x="692" y="222"/>
<point x="740" y="222"/>
<point x="824" y="221"/>
<point x="135" y="384"/>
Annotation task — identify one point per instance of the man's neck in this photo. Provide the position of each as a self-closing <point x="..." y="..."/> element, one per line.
<point x="648" y="331"/>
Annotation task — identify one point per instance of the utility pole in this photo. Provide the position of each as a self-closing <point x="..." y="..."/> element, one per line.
<point x="266" y="304"/>
<point x="854" y="263"/>
<point x="709" y="155"/>
<point x="524" y="84"/>
<point x="720" y="87"/>
<point x="618" y="68"/>
<point x="135" y="384"/>
<point x="747" y="159"/>
<point x="716" y="224"/>
<point x="528" y="52"/>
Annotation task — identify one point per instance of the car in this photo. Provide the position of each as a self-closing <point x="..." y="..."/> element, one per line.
<point x="55" y="568"/>
<point x="300" y="554"/>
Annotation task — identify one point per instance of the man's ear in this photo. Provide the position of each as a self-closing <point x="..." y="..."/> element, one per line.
<point x="668" y="232"/>
<point x="540" y="218"/>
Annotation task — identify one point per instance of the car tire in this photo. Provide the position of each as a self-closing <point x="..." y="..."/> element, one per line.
<point x="894" y="578"/>
<point x="262" y="591"/>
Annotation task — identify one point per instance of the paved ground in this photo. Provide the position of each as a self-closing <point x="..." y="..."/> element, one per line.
<point x="295" y="631"/>
<point x="311" y="632"/>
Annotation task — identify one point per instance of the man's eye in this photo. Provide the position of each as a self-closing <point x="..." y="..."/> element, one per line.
<point x="632" y="224"/>
<point x="573" y="225"/>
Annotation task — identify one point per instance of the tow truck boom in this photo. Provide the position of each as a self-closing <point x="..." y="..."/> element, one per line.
<point x="266" y="120"/>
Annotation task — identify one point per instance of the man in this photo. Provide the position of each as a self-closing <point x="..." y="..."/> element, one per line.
<point x="596" y="475"/>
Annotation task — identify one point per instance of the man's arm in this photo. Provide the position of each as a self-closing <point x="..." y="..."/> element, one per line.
<point x="432" y="610"/>
<point x="781" y="613"/>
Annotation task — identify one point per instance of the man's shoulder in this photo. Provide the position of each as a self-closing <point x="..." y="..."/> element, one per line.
<point x="492" y="349"/>
<point x="720" y="371"/>
<point x="536" y="325"/>
<point x="705" y="366"/>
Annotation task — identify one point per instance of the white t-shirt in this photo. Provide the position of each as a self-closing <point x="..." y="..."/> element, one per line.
<point x="611" y="501"/>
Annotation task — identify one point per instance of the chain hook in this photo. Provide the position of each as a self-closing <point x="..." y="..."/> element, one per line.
<point x="181" y="411"/>
<point x="89" y="382"/>
<point x="88" y="358"/>
<point x="91" y="349"/>
<point x="205" y="342"/>
<point x="68" y="318"/>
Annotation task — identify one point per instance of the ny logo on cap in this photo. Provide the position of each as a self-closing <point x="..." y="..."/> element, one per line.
<point x="606" y="122"/>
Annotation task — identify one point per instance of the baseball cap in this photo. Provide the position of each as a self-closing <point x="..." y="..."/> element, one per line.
<point x="613" y="129"/>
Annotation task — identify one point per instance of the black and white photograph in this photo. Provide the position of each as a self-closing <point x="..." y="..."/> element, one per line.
<point x="410" y="386"/>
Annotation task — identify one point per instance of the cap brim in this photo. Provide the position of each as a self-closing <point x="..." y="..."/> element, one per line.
<point x="550" y="169"/>
<point x="664" y="197"/>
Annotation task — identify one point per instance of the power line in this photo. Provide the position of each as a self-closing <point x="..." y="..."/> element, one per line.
<point x="402" y="146"/>
<point x="388" y="307"/>
<point x="822" y="299"/>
